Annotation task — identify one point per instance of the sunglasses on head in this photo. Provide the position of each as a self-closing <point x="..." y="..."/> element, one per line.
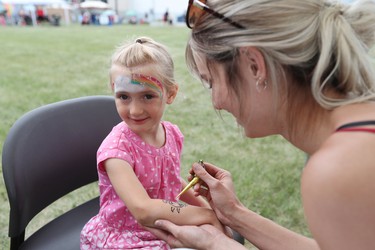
<point x="197" y="8"/>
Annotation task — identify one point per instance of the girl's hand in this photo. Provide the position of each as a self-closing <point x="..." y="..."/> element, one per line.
<point x="217" y="186"/>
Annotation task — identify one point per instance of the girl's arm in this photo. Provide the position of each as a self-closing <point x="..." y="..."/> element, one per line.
<point x="146" y="210"/>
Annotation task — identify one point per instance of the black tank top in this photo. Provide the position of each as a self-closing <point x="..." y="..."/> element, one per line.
<point x="353" y="126"/>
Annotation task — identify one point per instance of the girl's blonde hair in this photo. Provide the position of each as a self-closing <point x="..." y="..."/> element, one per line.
<point x="144" y="51"/>
<point x="316" y="47"/>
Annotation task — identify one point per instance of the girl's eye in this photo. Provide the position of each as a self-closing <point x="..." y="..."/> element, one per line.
<point x="122" y="96"/>
<point x="149" y="97"/>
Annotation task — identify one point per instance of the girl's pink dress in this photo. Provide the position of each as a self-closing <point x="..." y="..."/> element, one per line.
<point x="158" y="169"/>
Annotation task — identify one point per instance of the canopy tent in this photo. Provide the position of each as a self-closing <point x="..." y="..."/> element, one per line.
<point x="34" y="2"/>
<point x="2" y="8"/>
<point x="29" y="5"/>
<point x="93" y="4"/>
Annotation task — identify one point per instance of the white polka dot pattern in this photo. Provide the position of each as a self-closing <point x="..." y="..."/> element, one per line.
<point x="158" y="169"/>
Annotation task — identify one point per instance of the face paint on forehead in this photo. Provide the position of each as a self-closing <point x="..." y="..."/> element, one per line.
<point x="148" y="81"/>
<point x="137" y="83"/>
<point x="123" y="84"/>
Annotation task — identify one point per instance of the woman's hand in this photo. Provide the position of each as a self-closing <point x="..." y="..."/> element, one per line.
<point x="197" y="237"/>
<point x="217" y="186"/>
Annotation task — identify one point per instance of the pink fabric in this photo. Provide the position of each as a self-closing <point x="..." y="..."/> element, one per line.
<point x="158" y="169"/>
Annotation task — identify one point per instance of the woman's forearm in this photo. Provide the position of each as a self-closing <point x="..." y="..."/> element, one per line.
<point x="266" y="234"/>
<point x="225" y="243"/>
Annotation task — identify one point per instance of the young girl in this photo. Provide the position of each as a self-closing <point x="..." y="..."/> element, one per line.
<point x="139" y="161"/>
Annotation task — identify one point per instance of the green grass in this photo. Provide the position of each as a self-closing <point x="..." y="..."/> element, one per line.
<point x="47" y="64"/>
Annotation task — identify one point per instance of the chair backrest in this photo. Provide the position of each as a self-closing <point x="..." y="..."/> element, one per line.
<point x="51" y="151"/>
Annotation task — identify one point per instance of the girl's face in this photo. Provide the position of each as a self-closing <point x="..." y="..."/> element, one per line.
<point x="253" y="111"/>
<point x="140" y="99"/>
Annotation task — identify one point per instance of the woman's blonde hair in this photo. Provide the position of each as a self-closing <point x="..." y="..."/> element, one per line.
<point x="316" y="47"/>
<point x="144" y="51"/>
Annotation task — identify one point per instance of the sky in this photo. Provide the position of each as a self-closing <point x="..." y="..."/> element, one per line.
<point x="175" y="7"/>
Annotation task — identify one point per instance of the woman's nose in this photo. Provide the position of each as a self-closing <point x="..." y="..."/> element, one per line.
<point x="216" y="100"/>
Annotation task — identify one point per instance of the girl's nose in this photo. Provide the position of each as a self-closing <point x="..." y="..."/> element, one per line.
<point x="135" y="108"/>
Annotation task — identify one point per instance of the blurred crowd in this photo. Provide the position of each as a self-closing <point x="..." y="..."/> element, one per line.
<point x="39" y="14"/>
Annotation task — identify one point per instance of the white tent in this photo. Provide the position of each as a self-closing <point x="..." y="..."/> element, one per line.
<point x="30" y="5"/>
<point x="93" y="4"/>
<point x="35" y="2"/>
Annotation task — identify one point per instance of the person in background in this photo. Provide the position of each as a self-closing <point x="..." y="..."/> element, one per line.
<point x="3" y="15"/>
<point x="303" y="70"/>
<point x="86" y="18"/>
<point x="41" y="17"/>
<point x="166" y="16"/>
<point x="139" y="161"/>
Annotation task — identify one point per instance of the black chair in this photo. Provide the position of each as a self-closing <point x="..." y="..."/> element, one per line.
<point x="49" y="152"/>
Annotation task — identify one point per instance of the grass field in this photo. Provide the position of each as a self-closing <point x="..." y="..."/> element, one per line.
<point x="47" y="64"/>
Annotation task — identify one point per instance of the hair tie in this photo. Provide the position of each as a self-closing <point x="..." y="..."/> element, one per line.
<point x="138" y="41"/>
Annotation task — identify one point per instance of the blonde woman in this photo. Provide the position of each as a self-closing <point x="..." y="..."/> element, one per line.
<point x="300" y="69"/>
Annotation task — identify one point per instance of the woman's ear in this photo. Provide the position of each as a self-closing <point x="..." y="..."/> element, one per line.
<point x="255" y="61"/>
<point x="172" y="93"/>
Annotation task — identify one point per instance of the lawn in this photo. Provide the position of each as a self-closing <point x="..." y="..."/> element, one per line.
<point x="47" y="64"/>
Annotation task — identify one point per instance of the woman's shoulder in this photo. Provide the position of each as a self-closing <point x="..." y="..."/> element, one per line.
<point x="343" y="161"/>
<point x="337" y="189"/>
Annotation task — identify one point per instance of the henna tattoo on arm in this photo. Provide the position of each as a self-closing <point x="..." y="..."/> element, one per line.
<point x="175" y="206"/>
